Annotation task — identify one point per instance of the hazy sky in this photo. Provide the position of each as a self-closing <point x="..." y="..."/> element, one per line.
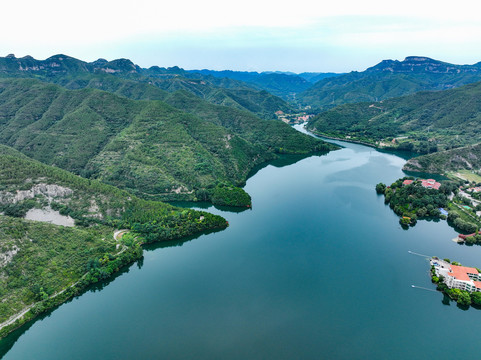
<point x="298" y="35"/>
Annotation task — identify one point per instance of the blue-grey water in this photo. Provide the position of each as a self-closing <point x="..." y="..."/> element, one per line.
<point x="318" y="269"/>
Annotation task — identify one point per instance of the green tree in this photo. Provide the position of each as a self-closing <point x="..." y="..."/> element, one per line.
<point x="464" y="298"/>
<point x="380" y="188"/>
<point x="476" y="298"/>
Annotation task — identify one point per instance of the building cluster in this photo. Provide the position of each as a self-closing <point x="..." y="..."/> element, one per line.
<point x="428" y="184"/>
<point x="293" y="118"/>
<point x="474" y="189"/>
<point x="458" y="277"/>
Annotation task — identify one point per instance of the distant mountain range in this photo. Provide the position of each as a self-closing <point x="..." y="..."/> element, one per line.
<point x="283" y="84"/>
<point x="122" y="74"/>
<point x="261" y="93"/>
<point x="388" y="79"/>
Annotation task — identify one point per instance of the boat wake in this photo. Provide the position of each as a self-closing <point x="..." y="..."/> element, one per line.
<point x="423" y="288"/>
<point x="414" y="253"/>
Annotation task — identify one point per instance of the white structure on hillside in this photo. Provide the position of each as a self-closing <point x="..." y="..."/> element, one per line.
<point x="460" y="277"/>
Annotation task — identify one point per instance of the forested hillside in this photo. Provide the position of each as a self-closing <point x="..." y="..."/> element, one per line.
<point x="463" y="158"/>
<point x="424" y="122"/>
<point x="389" y="79"/>
<point x="124" y="77"/>
<point x="40" y="260"/>
<point x="148" y="147"/>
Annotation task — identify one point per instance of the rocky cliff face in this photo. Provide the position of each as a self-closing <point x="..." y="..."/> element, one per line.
<point x="49" y="191"/>
<point x="421" y="64"/>
<point x="59" y="64"/>
<point x="464" y="158"/>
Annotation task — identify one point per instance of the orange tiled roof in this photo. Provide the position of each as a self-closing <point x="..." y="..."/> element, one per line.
<point x="431" y="184"/>
<point x="461" y="272"/>
<point x="477" y="284"/>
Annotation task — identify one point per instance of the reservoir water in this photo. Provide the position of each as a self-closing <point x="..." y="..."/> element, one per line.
<point x="318" y="269"/>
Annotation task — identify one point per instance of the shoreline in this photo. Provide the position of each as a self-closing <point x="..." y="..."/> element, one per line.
<point x="347" y="140"/>
<point x="127" y="256"/>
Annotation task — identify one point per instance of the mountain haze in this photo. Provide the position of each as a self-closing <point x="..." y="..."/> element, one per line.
<point x="389" y="78"/>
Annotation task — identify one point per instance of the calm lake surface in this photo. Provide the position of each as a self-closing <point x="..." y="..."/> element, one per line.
<point x="318" y="269"/>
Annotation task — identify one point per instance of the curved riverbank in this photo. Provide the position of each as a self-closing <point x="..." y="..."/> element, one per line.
<point x="284" y="272"/>
<point x="346" y="140"/>
<point x="123" y="258"/>
<point x="127" y="252"/>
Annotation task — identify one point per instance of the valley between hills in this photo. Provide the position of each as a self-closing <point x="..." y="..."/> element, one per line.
<point x="106" y="144"/>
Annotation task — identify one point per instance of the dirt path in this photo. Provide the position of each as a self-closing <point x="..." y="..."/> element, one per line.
<point x="16" y="316"/>
<point x="117" y="236"/>
<point x="119" y="233"/>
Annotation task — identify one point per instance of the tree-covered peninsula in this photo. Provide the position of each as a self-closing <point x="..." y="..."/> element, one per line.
<point x="412" y="199"/>
<point x="454" y="280"/>
<point x="43" y="264"/>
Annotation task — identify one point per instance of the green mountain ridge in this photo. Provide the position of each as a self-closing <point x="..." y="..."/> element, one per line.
<point x="389" y="79"/>
<point x="148" y="147"/>
<point x="118" y="74"/>
<point x="424" y="122"/>
<point x="463" y="158"/>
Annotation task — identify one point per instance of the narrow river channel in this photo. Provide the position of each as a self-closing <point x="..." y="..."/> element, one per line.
<point x="318" y="269"/>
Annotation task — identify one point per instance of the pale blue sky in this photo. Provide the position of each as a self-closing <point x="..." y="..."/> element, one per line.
<point x="249" y="35"/>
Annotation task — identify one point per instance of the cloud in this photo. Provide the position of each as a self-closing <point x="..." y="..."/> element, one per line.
<point x="335" y="36"/>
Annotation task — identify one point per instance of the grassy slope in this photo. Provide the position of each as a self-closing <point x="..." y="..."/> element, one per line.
<point x="49" y="259"/>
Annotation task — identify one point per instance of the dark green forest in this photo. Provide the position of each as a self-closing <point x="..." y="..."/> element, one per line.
<point x="148" y="147"/>
<point x="425" y="122"/>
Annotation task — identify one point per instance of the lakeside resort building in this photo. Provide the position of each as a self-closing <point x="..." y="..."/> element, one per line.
<point x="428" y="184"/>
<point x="459" y="277"/>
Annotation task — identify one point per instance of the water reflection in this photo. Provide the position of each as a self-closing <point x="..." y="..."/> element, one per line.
<point x="7" y="343"/>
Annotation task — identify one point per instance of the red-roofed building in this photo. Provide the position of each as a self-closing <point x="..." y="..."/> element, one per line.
<point x="462" y="237"/>
<point x="459" y="277"/>
<point x="474" y="189"/>
<point x="430" y="184"/>
<point x="478" y="285"/>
